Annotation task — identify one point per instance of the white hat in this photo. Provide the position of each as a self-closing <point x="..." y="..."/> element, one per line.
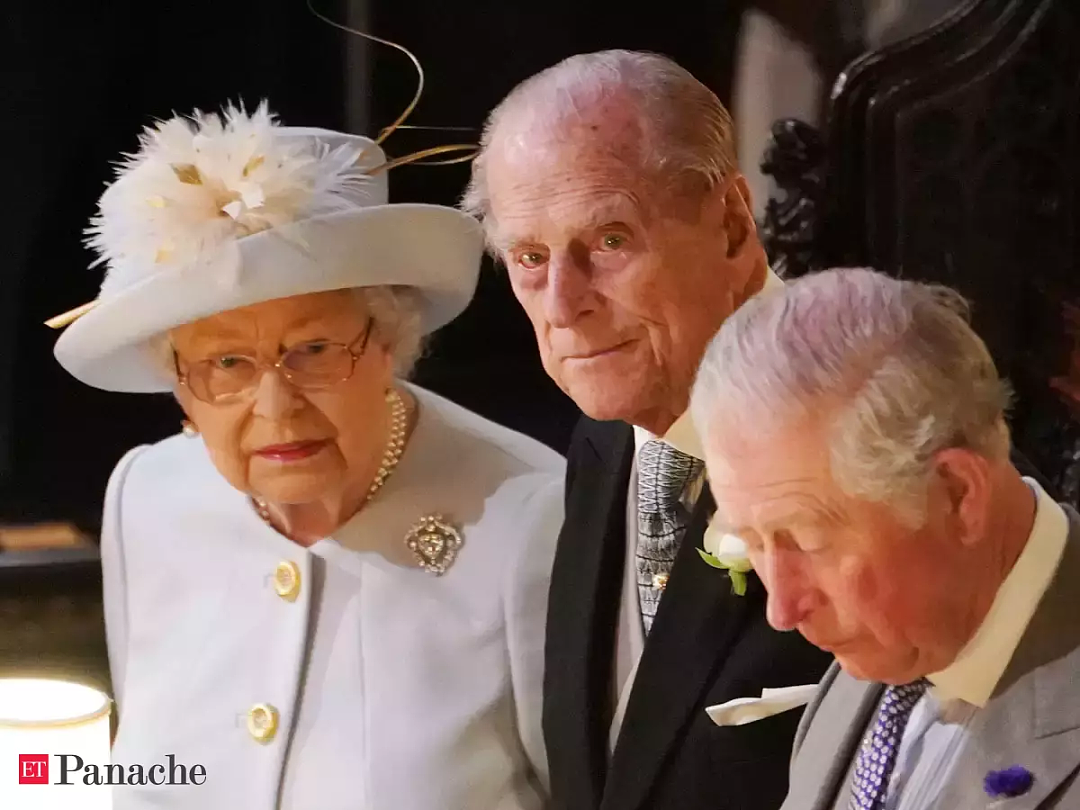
<point x="214" y="213"/>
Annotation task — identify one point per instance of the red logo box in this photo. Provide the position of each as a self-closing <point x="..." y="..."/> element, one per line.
<point x="33" y="769"/>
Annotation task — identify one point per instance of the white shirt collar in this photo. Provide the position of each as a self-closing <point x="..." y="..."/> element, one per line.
<point x="683" y="435"/>
<point x="975" y="673"/>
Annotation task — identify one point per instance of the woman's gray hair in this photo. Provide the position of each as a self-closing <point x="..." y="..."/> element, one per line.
<point x="396" y="315"/>
<point x="895" y="363"/>
<point x="685" y="126"/>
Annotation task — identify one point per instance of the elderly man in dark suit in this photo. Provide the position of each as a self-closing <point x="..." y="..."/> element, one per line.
<point x="609" y="188"/>
<point x="856" y="442"/>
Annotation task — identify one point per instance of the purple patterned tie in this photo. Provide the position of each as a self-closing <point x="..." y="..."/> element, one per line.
<point x="877" y="755"/>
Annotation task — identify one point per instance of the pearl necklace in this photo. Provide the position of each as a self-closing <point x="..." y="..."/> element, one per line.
<point x="395" y="446"/>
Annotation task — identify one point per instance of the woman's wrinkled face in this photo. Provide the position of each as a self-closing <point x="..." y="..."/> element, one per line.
<point x="276" y="440"/>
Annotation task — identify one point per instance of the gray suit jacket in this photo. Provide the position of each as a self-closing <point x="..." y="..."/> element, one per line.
<point x="1033" y="718"/>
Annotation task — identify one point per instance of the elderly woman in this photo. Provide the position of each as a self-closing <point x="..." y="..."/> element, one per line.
<point x="329" y="590"/>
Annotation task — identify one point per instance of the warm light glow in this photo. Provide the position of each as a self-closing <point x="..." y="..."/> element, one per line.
<point x="50" y="717"/>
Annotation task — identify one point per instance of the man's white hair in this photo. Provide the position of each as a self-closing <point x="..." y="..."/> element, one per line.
<point x="396" y="324"/>
<point x="893" y="365"/>
<point x="684" y="126"/>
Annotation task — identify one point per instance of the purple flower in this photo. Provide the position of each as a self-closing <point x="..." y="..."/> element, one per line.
<point x="1010" y="782"/>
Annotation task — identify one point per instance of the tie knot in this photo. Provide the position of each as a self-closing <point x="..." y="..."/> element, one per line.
<point x="663" y="473"/>
<point x="901" y="699"/>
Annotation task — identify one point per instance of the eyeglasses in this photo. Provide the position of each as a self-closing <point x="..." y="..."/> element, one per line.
<point x="310" y="366"/>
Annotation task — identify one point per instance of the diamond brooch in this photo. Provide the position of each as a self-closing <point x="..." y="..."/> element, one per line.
<point x="434" y="544"/>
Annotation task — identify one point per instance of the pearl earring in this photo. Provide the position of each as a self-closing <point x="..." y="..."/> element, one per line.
<point x="189" y="429"/>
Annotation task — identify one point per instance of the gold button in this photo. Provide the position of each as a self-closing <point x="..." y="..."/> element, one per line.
<point x="262" y="722"/>
<point x="659" y="581"/>
<point x="287" y="581"/>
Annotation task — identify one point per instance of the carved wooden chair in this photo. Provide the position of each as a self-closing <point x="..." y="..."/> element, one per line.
<point x="955" y="157"/>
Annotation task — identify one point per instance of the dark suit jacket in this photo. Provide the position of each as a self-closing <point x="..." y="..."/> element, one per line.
<point x="706" y="646"/>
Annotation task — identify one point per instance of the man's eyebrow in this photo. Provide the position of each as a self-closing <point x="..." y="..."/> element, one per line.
<point x="615" y="208"/>
<point x="809" y="511"/>
<point x="503" y="245"/>
<point x="618" y="209"/>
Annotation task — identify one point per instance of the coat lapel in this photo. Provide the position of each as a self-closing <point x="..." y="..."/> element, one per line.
<point x="586" y="585"/>
<point x="1033" y="719"/>
<point x="698" y="620"/>
<point x="837" y="723"/>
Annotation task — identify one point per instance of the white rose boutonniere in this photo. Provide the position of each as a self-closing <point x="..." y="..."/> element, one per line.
<point x="728" y="552"/>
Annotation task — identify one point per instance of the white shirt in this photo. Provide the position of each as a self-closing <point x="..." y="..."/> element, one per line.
<point x="936" y="732"/>
<point x="630" y="634"/>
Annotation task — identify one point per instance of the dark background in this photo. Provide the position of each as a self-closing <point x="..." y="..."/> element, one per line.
<point x="79" y="83"/>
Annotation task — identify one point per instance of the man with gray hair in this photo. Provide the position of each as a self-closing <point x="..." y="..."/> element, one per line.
<point x="608" y="186"/>
<point x="855" y="436"/>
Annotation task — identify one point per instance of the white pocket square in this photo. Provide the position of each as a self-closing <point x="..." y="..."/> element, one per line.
<point x="741" y="711"/>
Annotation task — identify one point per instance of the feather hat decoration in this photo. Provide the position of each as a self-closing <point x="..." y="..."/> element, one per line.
<point x="196" y="184"/>
<point x="217" y="212"/>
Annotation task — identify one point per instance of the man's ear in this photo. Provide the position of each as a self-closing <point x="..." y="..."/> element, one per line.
<point x="965" y="479"/>
<point x="746" y="265"/>
<point x="739" y="220"/>
<point x="743" y="188"/>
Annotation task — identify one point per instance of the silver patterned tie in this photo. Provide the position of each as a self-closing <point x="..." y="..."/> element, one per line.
<point x="877" y="755"/>
<point x="663" y="474"/>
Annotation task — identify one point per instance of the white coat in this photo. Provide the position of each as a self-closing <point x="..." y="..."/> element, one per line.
<point x="341" y="676"/>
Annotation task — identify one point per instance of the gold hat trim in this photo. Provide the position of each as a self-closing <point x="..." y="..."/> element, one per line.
<point x="469" y="149"/>
<point x="69" y="317"/>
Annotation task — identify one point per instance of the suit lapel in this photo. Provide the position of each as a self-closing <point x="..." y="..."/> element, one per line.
<point x="1018" y="730"/>
<point x="697" y="621"/>
<point x="583" y="615"/>
<point x="819" y="772"/>
<point x="1033" y="719"/>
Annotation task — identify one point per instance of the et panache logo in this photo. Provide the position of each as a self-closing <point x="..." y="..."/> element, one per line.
<point x="70" y="770"/>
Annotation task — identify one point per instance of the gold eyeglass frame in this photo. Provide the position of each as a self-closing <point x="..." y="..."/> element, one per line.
<point x="278" y="367"/>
